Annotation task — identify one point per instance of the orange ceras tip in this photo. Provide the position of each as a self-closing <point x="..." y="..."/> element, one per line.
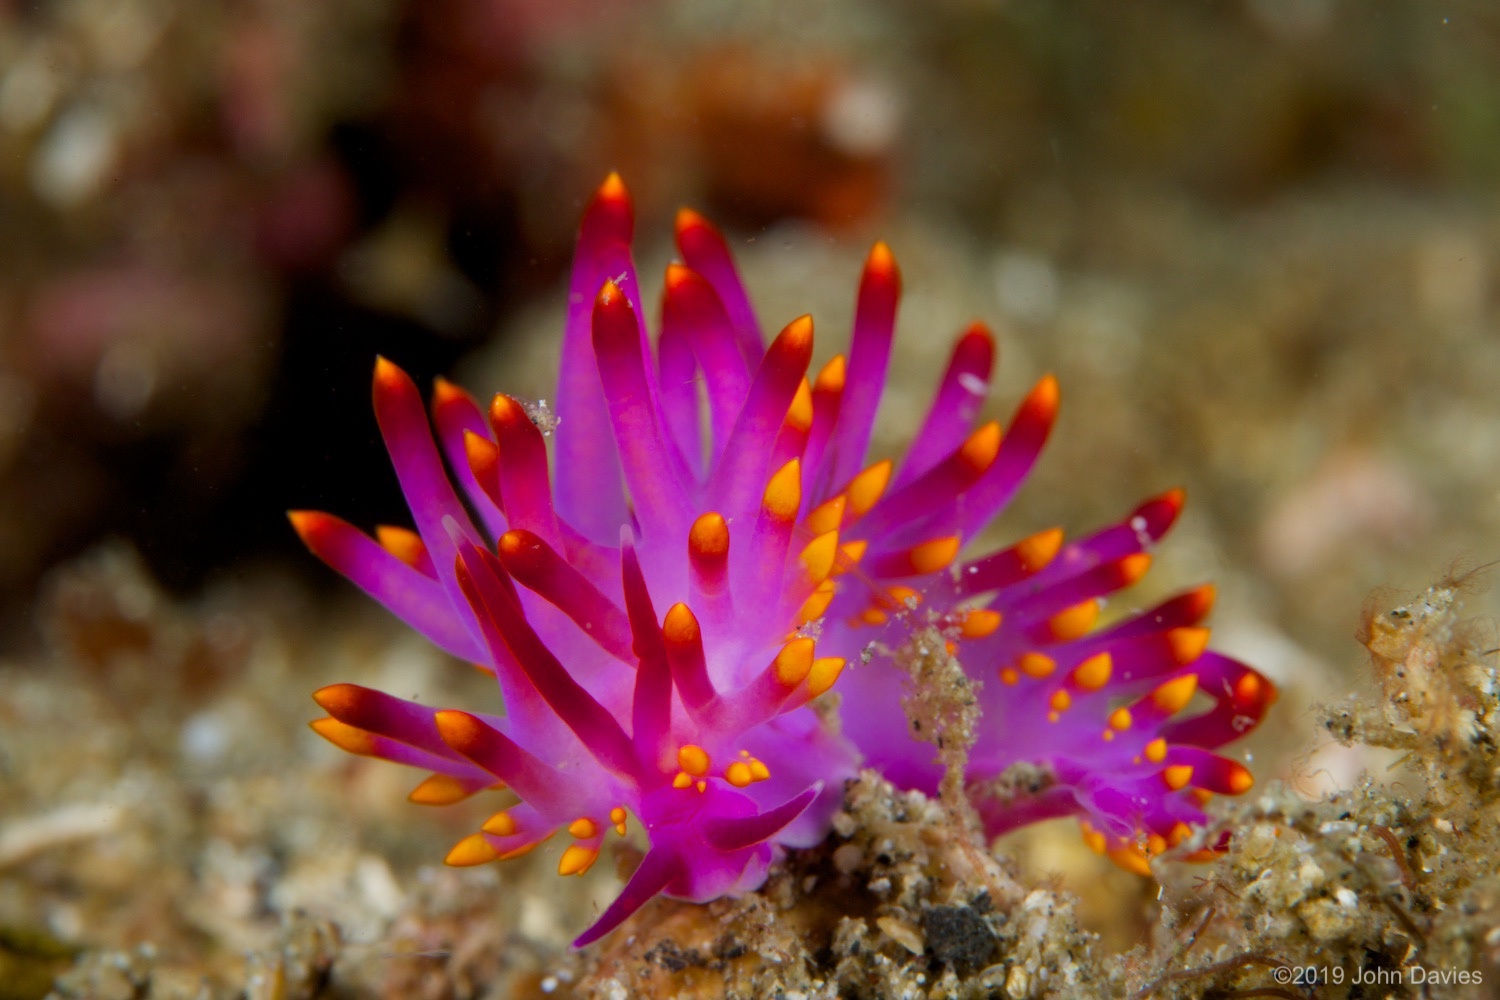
<point x="1188" y="643"/>
<point x="1156" y="750"/>
<point x="709" y="536"/>
<point x="826" y="516"/>
<point x="1202" y="599"/>
<point x="817" y="557"/>
<point x="832" y="375"/>
<point x="583" y="828"/>
<point x="577" y="859"/>
<point x="902" y="598"/>
<point x="1249" y="690"/>
<point x="482" y="453"/>
<point x="505" y="412"/>
<point x="1094" y="672"/>
<point x="825" y="672"/>
<point x="881" y="263"/>
<point x="439" y="790"/>
<point x="501" y="824"/>
<point x="614" y="190"/>
<point x="1174" y="695"/>
<point x="794" y="662"/>
<point x="402" y="543"/>
<point x="445" y="393"/>
<point x="980" y="622"/>
<point x="852" y="552"/>
<point x="738" y="774"/>
<point x="1177" y="776"/>
<point x="795" y="338"/>
<point x="934" y="554"/>
<point x="339" y="699"/>
<point x="1073" y="622"/>
<point x="347" y="738"/>
<point x="866" y="488"/>
<point x="783" y="494"/>
<point x="1043" y="398"/>
<point x="1131" y="858"/>
<point x="800" y="414"/>
<point x="816" y="603"/>
<point x="680" y="626"/>
<point x="1040" y="549"/>
<point x="515" y="542"/>
<point x="617" y="816"/>
<point x="687" y="219"/>
<point x="1036" y="665"/>
<point x="473" y="850"/>
<point x="388" y="375"/>
<point x="980" y="448"/>
<point x="1133" y="567"/>
<point x="1176" y="498"/>
<point x="1239" y="779"/>
<point x="610" y="297"/>
<point x="1120" y="719"/>
<point x="459" y="729"/>
<point x="678" y="275"/>
<point x="308" y="523"/>
<point x="693" y="759"/>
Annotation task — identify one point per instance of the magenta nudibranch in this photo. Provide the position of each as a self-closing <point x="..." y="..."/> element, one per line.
<point x="662" y="594"/>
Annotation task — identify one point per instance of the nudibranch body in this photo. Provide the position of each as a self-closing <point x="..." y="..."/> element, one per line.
<point x="1074" y="719"/>
<point x="661" y="600"/>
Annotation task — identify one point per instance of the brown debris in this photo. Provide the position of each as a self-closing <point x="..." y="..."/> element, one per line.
<point x="902" y="901"/>
<point x="1392" y="883"/>
<point x="942" y="708"/>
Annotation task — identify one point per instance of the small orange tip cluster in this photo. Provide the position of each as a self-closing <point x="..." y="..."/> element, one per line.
<point x="746" y="771"/>
<point x="695" y="766"/>
<point x="1135" y="854"/>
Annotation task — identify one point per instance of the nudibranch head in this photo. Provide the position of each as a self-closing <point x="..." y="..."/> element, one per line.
<point x="661" y="597"/>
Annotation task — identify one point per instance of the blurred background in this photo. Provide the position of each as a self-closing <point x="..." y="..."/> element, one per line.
<point x="1258" y="242"/>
